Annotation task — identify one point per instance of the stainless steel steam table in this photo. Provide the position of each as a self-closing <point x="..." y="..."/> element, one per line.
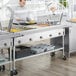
<point x="38" y="34"/>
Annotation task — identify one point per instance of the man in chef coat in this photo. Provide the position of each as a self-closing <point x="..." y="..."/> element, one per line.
<point x="21" y="15"/>
<point x="19" y="11"/>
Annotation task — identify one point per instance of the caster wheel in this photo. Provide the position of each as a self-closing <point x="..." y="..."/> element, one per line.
<point x="14" y="72"/>
<point x="3" y="67"/>
<point x="11" y="73"/>
<point x="64" y="58"/>
<point x="52" y="54"/>
<point x="0" y="68"/>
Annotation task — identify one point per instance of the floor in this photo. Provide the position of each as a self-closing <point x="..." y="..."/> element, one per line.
<point x="45" y="66"/>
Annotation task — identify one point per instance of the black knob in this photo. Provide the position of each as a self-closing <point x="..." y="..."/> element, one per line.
<point x="5" y="44"/>
<point x="30" y="39"/>
<point x="19" y="41"/>
<point x="40" y="37"/>
<point x="22" y="35"/>
<point x="59" y="33"/>
<point x="50" y="35"/>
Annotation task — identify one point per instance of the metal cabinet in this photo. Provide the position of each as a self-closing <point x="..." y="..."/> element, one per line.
<point x="72" y="39"/>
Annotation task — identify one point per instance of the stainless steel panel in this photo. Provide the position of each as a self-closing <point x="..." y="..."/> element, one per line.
<point x="38" y="36"/>
<point x="5" y="43"/>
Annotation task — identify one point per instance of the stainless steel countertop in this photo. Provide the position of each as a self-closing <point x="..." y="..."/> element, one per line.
<point x="31" y="31"/>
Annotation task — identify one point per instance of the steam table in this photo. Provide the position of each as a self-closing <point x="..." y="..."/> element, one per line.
<point x="39" y="34"/>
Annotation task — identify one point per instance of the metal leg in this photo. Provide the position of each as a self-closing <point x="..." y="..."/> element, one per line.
<point x="64" y="56"/>
<point x="2" y="67"/>
<point x="10" y="56"/>
<point x="52" y="54"/>
<point x="11" y="64"/>
<point x="14" y="57"/>
<point x="69" y="55"/>
<point x="63" y="45"/>
<point x="13" y="71"/>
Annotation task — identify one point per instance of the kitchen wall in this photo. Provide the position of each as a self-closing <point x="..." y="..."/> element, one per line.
<point x="72" y="9"/>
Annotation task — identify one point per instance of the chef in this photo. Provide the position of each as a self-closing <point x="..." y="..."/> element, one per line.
<point x="19" y="12"/>
<point x="21" y="15"/>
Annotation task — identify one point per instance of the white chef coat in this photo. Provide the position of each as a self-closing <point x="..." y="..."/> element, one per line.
<point x="23" y="14"/>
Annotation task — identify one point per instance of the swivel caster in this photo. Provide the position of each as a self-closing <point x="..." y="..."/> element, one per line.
<point x="13" y="72"/>
<point x="64" y="58"/>
<point x="52" y="54"/>
<point x="2" y="68"/>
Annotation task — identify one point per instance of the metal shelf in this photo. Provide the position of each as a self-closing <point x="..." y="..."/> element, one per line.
<point x="6" y="61"/>
<point x="57" y="48"/>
